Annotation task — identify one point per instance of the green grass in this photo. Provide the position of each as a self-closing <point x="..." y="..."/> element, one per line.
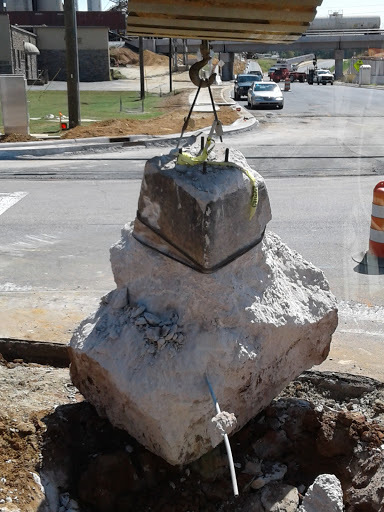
<point x="265" y="64"/>
<point x="346" y="64"/>
<point x="94" y="105"/>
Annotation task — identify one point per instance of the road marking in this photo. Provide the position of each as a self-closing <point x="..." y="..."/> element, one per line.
<point x="29" y="243"/>
<point x="9" y="199"/>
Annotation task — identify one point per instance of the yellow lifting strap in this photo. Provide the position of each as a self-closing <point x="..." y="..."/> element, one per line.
<point x="187" y="159"/>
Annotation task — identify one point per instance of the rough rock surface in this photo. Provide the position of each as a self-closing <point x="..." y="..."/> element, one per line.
<point x="252" y="327"/>
<point x="324" y="495"/>
<point x="205" y="214"/>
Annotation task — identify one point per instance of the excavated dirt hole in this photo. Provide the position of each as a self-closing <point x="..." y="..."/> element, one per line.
<point x="321" y="423"/>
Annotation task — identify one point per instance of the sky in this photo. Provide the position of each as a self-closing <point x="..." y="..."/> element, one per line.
<point x="353" y="8"/>
<point x="348" y="7"/>
<point x="105" y="4"/>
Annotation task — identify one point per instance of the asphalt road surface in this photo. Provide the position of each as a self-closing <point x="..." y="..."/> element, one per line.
<point x="321" y="156"/>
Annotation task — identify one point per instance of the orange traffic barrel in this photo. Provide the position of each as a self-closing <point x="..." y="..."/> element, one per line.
<point x="287" y="84"/>
<point x="376" y="237"/>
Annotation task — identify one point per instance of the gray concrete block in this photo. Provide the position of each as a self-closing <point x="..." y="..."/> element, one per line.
<point x="200" y="213"/>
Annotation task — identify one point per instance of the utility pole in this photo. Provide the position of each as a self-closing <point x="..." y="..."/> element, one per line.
<point x="141" y="62"/>
<point x="73" y="90"/>
<point x="170" y="63"/>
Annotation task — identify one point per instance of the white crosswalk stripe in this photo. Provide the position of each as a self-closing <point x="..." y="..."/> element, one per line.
<point x="8" y="199"/>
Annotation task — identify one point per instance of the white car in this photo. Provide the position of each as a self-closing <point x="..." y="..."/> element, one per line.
<point x="265" y="94"/>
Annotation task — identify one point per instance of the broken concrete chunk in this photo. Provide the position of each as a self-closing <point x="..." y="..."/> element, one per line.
<point x="165" y="330"/>
<point x="152" y="333"/>
<point x="252" y="467"/>
<point x="138" y="311"/>
<point x="117" y="299"/>
<point x="324" y="495"/>
<point x="171" y="333"/>
<point x="279" y="497"/>
<point x="221" y="424"/>
<point x="277" y="472"/>
<point x="248" y="325"/>
<point x="151" y="319"/>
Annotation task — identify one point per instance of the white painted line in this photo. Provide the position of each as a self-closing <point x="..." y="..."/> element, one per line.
<point x="9" y="199"/>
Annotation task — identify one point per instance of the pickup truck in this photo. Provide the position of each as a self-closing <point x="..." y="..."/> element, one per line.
<point x="323" y="76"/>
<point x="283" y="73"/>
<point x="243" y="82"/>
<point x="279" y="74"/>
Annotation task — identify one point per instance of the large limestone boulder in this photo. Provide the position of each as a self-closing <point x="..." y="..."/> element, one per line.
<point x="250" y="327"/>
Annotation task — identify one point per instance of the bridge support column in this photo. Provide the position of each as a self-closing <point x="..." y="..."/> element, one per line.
<point x="227" y="69"/>
<point x="339" y="57"/>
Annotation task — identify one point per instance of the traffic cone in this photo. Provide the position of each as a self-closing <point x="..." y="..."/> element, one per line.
<point x="287" y="84"/>
<point x="372" y="262"/>
<point x="376" y="238"/>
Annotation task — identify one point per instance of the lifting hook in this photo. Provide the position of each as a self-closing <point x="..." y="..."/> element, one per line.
<point x="195" y="69"/>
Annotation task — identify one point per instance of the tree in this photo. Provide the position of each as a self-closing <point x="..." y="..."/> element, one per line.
<point x="119" y="5"/>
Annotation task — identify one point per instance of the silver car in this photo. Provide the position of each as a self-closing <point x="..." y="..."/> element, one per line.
<point x="263" y="94"/>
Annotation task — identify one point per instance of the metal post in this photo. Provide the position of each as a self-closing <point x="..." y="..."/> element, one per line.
<point x="185" y="54"/>
<point x="73" y="89"/>
<point x="141" y="62"/>
<point x="170" y="64"/>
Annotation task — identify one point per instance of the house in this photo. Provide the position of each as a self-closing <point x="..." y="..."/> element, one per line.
<point x="33" y="43"/>
<point x="18" y="50"/>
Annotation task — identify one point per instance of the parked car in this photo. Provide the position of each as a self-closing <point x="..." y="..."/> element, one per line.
<point x="265" y="94"/>
<point x="323" y="76"/>
<point x="243" y="83"/>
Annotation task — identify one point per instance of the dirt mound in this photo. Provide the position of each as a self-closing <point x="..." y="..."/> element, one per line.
<point x="127" y="57"/>
<point x="153" y="59"/>
<point x="124" y="56"/>
<point x="169" y="123"/>
<point x="18" y="137"/>
<point x="166" y="124"/>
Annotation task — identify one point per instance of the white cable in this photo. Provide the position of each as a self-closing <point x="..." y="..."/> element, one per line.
<point x="226" y="441"/>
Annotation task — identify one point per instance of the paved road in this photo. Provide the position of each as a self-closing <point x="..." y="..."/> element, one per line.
<point x="320" y="174"/>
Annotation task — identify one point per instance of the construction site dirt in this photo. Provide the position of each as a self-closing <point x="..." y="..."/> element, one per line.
<point x="57" y="454"/>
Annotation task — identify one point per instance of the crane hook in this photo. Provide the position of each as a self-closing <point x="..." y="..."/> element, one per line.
<point x="195" y="69"/>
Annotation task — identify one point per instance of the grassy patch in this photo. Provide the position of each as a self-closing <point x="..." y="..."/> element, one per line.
<point x="265" y="64"/>
<point x="346" y="64"/>
<point x="94" y="105"/>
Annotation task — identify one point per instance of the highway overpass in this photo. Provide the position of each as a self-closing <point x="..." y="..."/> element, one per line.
<point x="331" y="40"/>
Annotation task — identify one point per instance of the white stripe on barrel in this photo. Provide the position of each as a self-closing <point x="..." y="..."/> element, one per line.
<point x="377" y="236"/>
<point x="377" y="211"/>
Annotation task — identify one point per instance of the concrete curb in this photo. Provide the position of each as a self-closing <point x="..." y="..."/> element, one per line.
<point x="13" y="150"/>
<point x="40" y="352"/>
<point x="10" y="151"/>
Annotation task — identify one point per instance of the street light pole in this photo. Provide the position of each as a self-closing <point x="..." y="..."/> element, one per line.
<point x="73" y="91"/>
